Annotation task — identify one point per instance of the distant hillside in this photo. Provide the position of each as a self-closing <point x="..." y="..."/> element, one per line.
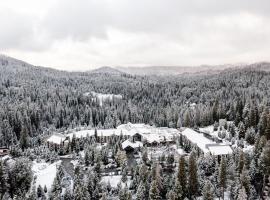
<point x="201" y="70"/>
<point x="13" y="64"/>
<point x="170" y="70"/>
<point x="106" y="70"/>
<point x="261" y="66"/>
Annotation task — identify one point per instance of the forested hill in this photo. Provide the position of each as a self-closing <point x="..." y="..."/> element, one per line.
<point x="34" y="99"/>
<point x="191" y="70"/>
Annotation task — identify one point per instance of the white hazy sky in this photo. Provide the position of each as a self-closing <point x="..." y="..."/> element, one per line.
<point x="85" y="34"/>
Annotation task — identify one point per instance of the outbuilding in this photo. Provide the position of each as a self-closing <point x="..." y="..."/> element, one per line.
<point x="4" y="151"/>
<point x="129" y="146"/>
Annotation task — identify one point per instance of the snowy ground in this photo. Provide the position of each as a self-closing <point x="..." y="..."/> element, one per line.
<point x="45" y="173"/>
<point x="114" y="180"/>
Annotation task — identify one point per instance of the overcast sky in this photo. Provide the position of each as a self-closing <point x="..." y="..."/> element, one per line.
<point x="86" y="34"/>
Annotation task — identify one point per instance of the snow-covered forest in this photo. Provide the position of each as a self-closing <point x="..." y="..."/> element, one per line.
<point x="229" y="107"/>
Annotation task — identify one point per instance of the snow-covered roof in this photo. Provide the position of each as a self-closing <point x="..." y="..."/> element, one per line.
<point x="151" y="138"/>
<point x="149" y="133"/>
<point x="130" y="129"/>
<point x="136" y="128"/>
<point x="100" y="133"/>
<point x="220" y="149"/>
<point x="205" y="144"/>
<point x="82" y="133"/>
<point x="134" y="145"/>
<point x="5" y="157"/>
<point x="157" y="137"/>
<point x="8" y="160"/>
<point x="198" y="139"/>
<point x="180" y="151"/>
<point x="56" y="138"/>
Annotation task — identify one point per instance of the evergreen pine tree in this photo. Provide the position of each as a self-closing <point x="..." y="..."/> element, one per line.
<point x="143" y="173"/>
<point x="216" y="126"/>
<point x="187" y="119"/>
<point x="178" y="191"/>
<point x="192" y="175"/>
<point x="96" y="134"/>
<point x="87" y="157"/>
<point x="245" y="180"/>
<point x="263" y="122"/>
<point x="24" y="140"/>
<point x="250" y="136"/>
<point x="56" y="187"/>
<point x="181" y="175"/>
<point x="68" y="195"/>
<point x="77" y="193"/>
<point x="171" y="195"/>
<point x="252" y="116"/>
<point x="154" y="193"/>
<point x="253" y="170"/>
<point x="265" y="159"/>
<point x="124" y="175"/>
<point x="61" y="148"/>
<point x="242" y="194"/>
<point x="208" y="191"/>
<point x="2" y="180"/>
<point x="222" y="175"/>
<point x="241" y="162"/>
<point x="33" y="194"/>
<point x="124" y="194"/>
<point x="40" y="192"/>
<point x="241" y="130"/>
<point x="45" y="189"/>
<point x="6" y="196"/>
<point x="19" y="176"/>
<point x="95" y="195"/>
<point x="267" y="128"/>
<point x="232" y="130"/>
<point x="215" y="110"/>
<point x="104" y="196"/>
<point x="73" y="143"/>
<point x="141" y="191"/>
<point x="235" y="187"/>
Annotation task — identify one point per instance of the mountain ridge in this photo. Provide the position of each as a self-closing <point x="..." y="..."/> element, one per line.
<point x="144" y="71"/>
<point x="106" y="70"/>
